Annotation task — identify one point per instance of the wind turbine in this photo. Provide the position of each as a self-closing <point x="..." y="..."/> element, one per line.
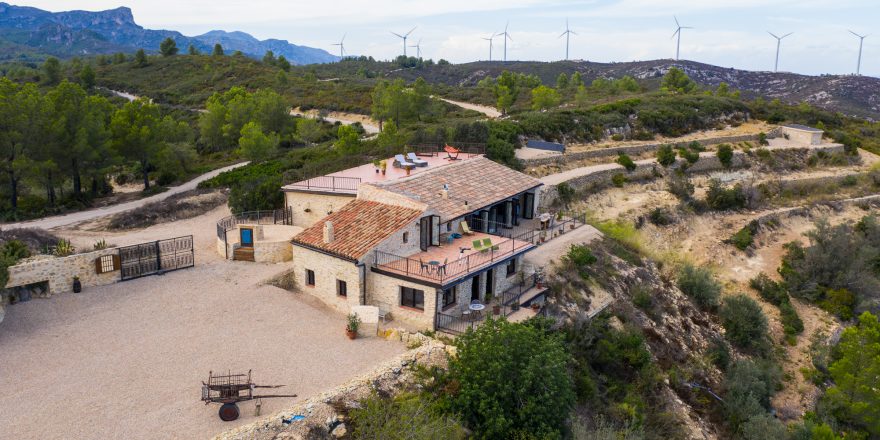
<point x="778" y="43"/>
<point x="404" y="37"/>
<point x="861" y="42"/>
<point x="677" y="32"/>
<point x="506" y="37"/>
<point x="341" y="45"/>
<point x="418" y="47"/>
<point x="567" y="34"/>
<point x="491" y="37"/>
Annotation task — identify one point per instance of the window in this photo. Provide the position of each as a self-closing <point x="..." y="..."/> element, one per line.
<point x="449" y="296"/>
<point x="449" y="227"/>
<point x="341" y="288"/>
<point x="410" y="297"/>
<point x="106" y="263"/>
<point x="406" y="237"/>
<point x="310" y="277"/>
<point x="511" y="267"/>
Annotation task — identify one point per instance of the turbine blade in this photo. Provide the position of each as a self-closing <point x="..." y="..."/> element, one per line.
<point x="675" y="33"/>
<point x="343" y="37"/>
<point x="398" y="35"/>
<point x="411" y="31"/>
<point x="573" y="32"/>
<point x="774" y="35"/>
<point x="563" y="34"/>
<point x="676" y="21"/>
<point x="506" y="25"/>
<point x="786" y="35"/>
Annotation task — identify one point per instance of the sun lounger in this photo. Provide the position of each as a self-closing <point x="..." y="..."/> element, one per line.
<point x="465" y="229"/>
<point x="419" y="162"/>
<point x="451" y="152"/>
<point x="400" y="162"/>
<point x="487" y="243"/>
<point x="478" y="246"/>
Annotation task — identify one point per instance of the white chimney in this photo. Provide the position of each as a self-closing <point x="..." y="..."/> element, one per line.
<point x="328" y="232"/>
<point x="444" y="193"/>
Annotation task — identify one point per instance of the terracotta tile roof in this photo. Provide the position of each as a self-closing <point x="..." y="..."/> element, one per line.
<point x="358" y="228"/>
<point x="479" y="182"/>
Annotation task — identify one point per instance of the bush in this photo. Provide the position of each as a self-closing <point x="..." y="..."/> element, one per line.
<point x="690" y="156"/>
<point x="406" y="416"/>
<point x="624" y="160"/>
<point x="725" y="155"/>
<point x="661" y="217"/>
<point x="840" y="302"/>
<point x="748" y="387"/>
<point x="565" y="193"/>
<point x="699" y="284"/>
<point x="742" y="239"/>
<point x="254" y="195"/>
<point x="679" y="184"/>
<point x="618" y="180"/>
<point x="536" y="393"/>
<point x="720" y="198"/>
<point x="762" y="139"/>
<point x="770" y="291"/>
<point x="665" y="155"/>
<point x="744" y="322"/>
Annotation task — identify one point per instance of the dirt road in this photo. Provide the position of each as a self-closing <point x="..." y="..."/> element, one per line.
<point x="484" y="109"/>
<point x="370" y="126"/>
<point x="81" y="216"/>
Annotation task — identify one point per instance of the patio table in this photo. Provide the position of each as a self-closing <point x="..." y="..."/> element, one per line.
<point x="477" y="308"/>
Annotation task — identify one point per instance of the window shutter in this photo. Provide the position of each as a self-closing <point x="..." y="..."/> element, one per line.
<point x="116" y="263"/>
<point x="98" y="265"/>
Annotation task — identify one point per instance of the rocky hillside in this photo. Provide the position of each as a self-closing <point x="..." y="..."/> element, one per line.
<point x="34" y="33"/>
<point x="849" y="94"/>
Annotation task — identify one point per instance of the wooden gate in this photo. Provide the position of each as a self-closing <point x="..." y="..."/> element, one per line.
<point x="156" y="257"/>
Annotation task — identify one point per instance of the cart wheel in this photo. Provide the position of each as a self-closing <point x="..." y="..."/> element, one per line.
<point x="228" y="412"/>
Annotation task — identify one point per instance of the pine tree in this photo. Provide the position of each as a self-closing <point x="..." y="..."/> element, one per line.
<point x="140" y="58"/>
<point x="218" y="50"/>
<point x="168" y="47"/>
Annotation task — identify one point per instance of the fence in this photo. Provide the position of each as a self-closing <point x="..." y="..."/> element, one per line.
<point x="529" y="232"/>
<point x="431" y="149"/>
<point x="450" y="270"/>
<point x="156" y="257"/>
<point x="329" y="183"/>
<point x="283" y="216"/>
<point x="509" y="302"/>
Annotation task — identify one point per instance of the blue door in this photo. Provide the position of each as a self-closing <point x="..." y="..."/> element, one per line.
<point x="247" y="237"/>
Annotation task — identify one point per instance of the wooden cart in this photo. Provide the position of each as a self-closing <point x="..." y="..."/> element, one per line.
<point x="230" y="389"/>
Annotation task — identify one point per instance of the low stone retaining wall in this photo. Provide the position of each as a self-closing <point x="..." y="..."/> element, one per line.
<point x="59" y="271"/>
<point x="632" y="150"/>
<point x="647" y="169"/>
<point x="320" y="411"/>
<point x="275" y="248"/>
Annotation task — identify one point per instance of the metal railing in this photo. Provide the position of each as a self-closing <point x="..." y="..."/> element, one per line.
<point x="530" y="233"/>
<point x="450" y="270"/>
<point x="283" y="216"/>
<point x="329" y="183"/>
<point x="454" y="324"/>
<point x="432" y="149"/>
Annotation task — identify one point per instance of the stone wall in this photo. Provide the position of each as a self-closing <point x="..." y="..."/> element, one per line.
<point x="384" y="291"/>
<point x="307" y="208"/>
<point x="59" y="271"/>
<point x="647" y="169"/>
<point x="320" y="411"/>
<point x="632" y="150"/>
<point x="376" y="193"/>
<point x="327" y="270"/>
<point x="275" y="249"/>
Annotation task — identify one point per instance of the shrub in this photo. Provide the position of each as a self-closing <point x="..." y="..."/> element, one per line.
<point x="763" y="427"/>
<point x="258" y="194"/>
<point x="679" y="184"/>
<point x="770" y="290"/>
<point x="762" y="139"/>
<point x="744" y="322"/>
<point x="699" y="284"/>
<point x="719" y="353"/>
<point x="696" y="146"/>
<point x="536" y="394"/>
<point x="565" y="193"/>
<point x="618" y="180"/>
<point x="690" y="156"/>
<point x="742" y="239"/>
<point x="850" y="180"/>
<point x="624" y="160"/>
<point x="406" y="416"/>
<point x="580" y="256"/>
<point x="748" y="387"/>
<point x="661" y="217"/>
<point x="617" y="137"/>
<point x="64" y="248"/>
<point x="643" y="299"/>
<point x="725" y="155"/>
<point x="840" y="302"/>
<point x="721" y="198"/>
<point x="665" y="155"/>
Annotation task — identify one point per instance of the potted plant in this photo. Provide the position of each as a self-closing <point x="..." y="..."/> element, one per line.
<point x="536" y="307"/>
<point x="496" y="310"/>
<point x="351" y="329"/>
<point x="77" y="285"/>
<point x="383" y="166"/>
<point x="376" y="164"/>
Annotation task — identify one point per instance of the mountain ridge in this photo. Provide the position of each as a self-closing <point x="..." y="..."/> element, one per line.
<point x="33" y="33"/>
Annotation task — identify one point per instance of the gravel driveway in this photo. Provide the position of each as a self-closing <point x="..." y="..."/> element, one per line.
<point x="127" y="360"/>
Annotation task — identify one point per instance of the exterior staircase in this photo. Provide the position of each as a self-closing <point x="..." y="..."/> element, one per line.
<point x="243" y="254"/>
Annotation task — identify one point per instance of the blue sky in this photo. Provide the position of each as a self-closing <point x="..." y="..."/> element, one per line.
<point x="726" y="32"/>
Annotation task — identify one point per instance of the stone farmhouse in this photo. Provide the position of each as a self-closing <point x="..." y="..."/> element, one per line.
<point x="420" y="243"/>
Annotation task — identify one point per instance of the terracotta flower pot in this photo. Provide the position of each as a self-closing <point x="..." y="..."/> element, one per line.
<point x="536" y="307"/>
<point x="496" y="310"/>
<point x="351" y="335"/>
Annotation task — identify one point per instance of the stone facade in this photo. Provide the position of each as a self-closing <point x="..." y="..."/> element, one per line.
<point x="59" y="271"/>
<point x="803" y="137"/>
<point x="271" y="242"/>
<point x="384" y="292"/>
<point x="309" y="207"/>
<point x="328" y="269"/>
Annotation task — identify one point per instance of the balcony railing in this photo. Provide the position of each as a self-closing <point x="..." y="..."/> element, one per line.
<point x="447" y="271"/>
<point x="432" y="149"/>
<point x="282" y="216"/>
<point x="329" y="183"/>
<point x="530" y="230"/>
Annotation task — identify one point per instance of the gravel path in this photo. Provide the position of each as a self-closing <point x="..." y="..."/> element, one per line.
<point x="484" y="109"/>
<point x="126" y="360"/>
<point x="81" y="216"/>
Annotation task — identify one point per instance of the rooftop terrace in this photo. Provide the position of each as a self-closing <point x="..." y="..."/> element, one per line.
<point x="348" y="180"/>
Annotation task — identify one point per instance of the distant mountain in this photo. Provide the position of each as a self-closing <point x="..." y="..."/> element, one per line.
<point x="27" y="32"/>
<point x="849" y="94"/>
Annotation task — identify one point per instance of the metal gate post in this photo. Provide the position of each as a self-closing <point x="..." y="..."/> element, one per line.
<point x="158" y="257"/>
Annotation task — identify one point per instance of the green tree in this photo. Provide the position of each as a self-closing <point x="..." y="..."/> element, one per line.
<point x="511" y="379"/>
<point x="544" y="97"/>
<point x="347" y="140"/>
<point x="269" y="58"/>
<point x="725" y="155"/>
<point x="390" y="140"/>
<point x="665" y="155"/>
<point x="68" y="103"/>
<point x="119" y="58"/>
<point x="254" y="145"/>
<point x="23" y="126"/>
<point x="391" y="101"/>
<point x="744" y="322"/>
<point x="855" y="396"/>
<point x="87" y="77"/>
<point x="193" y="50"/>
<point x="52" y="71"/>
<point x="168" y="47"/>
<point x="625" y="161"/>
<point x="283" y="64"/>
<point x="723" y="90"/>
<point x="562" y="81"/>
<point x="576" y="80"/>
<point x="137" y="134"/>
<point x="699" y="284"/>
<point x="677" y="81"/>
<point x="405" y="417"/>
<point x="504" y="98"/>
<point x="308" y="130"/>
<point x="140" y="58"/>
<point x="218" y="50"/>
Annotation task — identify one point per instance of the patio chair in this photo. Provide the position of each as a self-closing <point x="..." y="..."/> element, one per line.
<point x="478" y="246"/>
<point x="423" y="267"/>
<point x="441" y="270"/>
<point x="400" y="162"/>
<point x="487" y="243"/>
<point x="451" y="152"/>
<point x="418" y="162"/>
<point x="465" y="229"/>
